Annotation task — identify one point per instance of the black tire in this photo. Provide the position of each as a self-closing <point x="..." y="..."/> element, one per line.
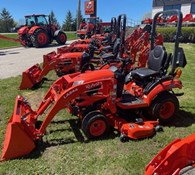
<point x="95" y="125"/>
<point x="164" y="107"/>
<point x="187" y="170"/>
<point x="40" y="38"/>
<point x="61" y="38"/>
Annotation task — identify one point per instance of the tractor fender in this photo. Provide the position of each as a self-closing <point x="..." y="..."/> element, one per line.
<point x="57" y="32"/>
<point x="161" y="87"/>
<point x="32" y="30"/>
<point x="23" y="30"/>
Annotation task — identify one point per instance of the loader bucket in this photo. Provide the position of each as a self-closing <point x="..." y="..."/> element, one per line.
<point x="31" y="77"/>
<point x="19" y="139"/>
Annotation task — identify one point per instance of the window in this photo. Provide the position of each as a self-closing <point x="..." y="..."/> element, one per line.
<point x="192" y="8"/>
<point x="171" y="7"/>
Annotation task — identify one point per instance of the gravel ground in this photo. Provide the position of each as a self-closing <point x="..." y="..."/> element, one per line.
<point x="14" y="61"/>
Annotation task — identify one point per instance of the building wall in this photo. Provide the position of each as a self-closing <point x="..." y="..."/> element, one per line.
<point x="185" y="9"/>
<point x="156" y="10"/>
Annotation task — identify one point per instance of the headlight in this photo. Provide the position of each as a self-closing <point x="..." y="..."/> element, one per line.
<point x="78" y="82"/>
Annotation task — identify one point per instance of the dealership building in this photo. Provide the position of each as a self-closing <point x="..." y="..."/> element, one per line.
<point x="186" y="6"/>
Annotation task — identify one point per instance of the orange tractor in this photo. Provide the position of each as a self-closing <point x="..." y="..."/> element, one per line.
<point x="91" y="26"/>
<point x="39" y="32"/>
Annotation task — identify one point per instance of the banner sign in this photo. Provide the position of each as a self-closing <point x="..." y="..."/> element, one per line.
<point x="89" y="7"/>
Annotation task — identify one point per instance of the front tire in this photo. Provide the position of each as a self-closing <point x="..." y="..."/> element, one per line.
<point x="40" y="38"/>
<point x="95" y="125"/>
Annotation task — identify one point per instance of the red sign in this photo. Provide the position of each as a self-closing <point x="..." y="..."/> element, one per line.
<point x="89" y="7"/>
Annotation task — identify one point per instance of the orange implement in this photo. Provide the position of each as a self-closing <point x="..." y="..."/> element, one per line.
<point x="19" y="138"/>
<point x="173" y="158"/>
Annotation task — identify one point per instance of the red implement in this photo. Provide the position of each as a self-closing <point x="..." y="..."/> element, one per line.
<point x="173" y="158"/>
<point x="19" y="131"/>
<point x="31" y="77"/>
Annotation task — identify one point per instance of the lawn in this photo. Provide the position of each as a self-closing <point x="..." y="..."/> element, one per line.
<point x="65" y="149"/>
<point x="8" y="44"/>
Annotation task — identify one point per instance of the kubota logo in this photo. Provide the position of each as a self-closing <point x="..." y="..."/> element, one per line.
<point x="93" y="85"/>
<point x="89" y="5"/>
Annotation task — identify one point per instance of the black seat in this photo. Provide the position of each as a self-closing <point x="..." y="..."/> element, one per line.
<point x="113" y="55"/>
<point x="156" y="64"/>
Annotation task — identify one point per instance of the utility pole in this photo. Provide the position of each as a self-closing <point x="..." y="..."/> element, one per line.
<point x="78" y="14"/>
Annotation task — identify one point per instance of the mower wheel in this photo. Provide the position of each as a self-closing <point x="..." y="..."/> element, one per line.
<point x="61" y="38"/>
<point x="158" y="128"/>
<point x="124" y="138"/>
<point x="40" y="38"/>
<point x="164" y="107"/>
<point x="95" y="125"/>
<point x="87" y="66"/>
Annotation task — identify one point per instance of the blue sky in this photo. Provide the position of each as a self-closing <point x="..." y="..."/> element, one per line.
<point x="135" y="9"/>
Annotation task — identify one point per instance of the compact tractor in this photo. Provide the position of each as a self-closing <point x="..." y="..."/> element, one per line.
<point x="91" y="26"/>
<point x="104" y="98"/>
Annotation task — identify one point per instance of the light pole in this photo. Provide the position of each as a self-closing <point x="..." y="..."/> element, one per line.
<point x="78" y="13"/>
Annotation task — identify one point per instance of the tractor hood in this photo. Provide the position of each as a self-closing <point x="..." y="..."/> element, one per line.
<point x="71" y="55"/>
<point x="93" y="76"/>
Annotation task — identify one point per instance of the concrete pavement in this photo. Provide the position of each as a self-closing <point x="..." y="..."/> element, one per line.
<point x="16" y="60"/>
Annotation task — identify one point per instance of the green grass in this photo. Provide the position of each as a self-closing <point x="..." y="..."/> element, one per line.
<point x="9" y="44"/>
<point x="63" y="152"/>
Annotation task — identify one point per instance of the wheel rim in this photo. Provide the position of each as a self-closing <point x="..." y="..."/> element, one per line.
<point x="42" y="38"/>
<point x="97" y="128"/>
<point x="62" y="38"/>
<point x="167" y="110"/>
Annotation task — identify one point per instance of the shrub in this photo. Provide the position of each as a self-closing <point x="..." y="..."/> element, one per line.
<point x="188" y="34"/>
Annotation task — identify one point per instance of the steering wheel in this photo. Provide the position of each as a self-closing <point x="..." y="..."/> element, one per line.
<point x="87" y="66"/>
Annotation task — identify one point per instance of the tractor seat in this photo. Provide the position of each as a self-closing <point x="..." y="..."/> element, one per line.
<point x="108" y="56"/>
<point x="114" y="53"/>
<point x="156" y="64"/>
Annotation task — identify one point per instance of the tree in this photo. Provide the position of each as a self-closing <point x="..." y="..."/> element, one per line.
<point x="68" y="23"/>
<point x="54" y="19"/>
<point x="78" y="19"/>
<point x="6" y="21"/>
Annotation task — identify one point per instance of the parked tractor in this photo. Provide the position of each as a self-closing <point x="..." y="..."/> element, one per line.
<point x="91" y="26"/>
<point x="39" y="32"/>
<point x="105" y="98"/>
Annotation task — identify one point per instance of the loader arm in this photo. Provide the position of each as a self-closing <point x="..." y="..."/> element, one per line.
<point x="21" y="132"/>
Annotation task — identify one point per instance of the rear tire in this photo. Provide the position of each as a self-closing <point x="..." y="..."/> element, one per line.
<point x="40" y="38"/>
<point x="164" y="107"/>
<point x="61" y="38"/>
<point x="95" y="125"/>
